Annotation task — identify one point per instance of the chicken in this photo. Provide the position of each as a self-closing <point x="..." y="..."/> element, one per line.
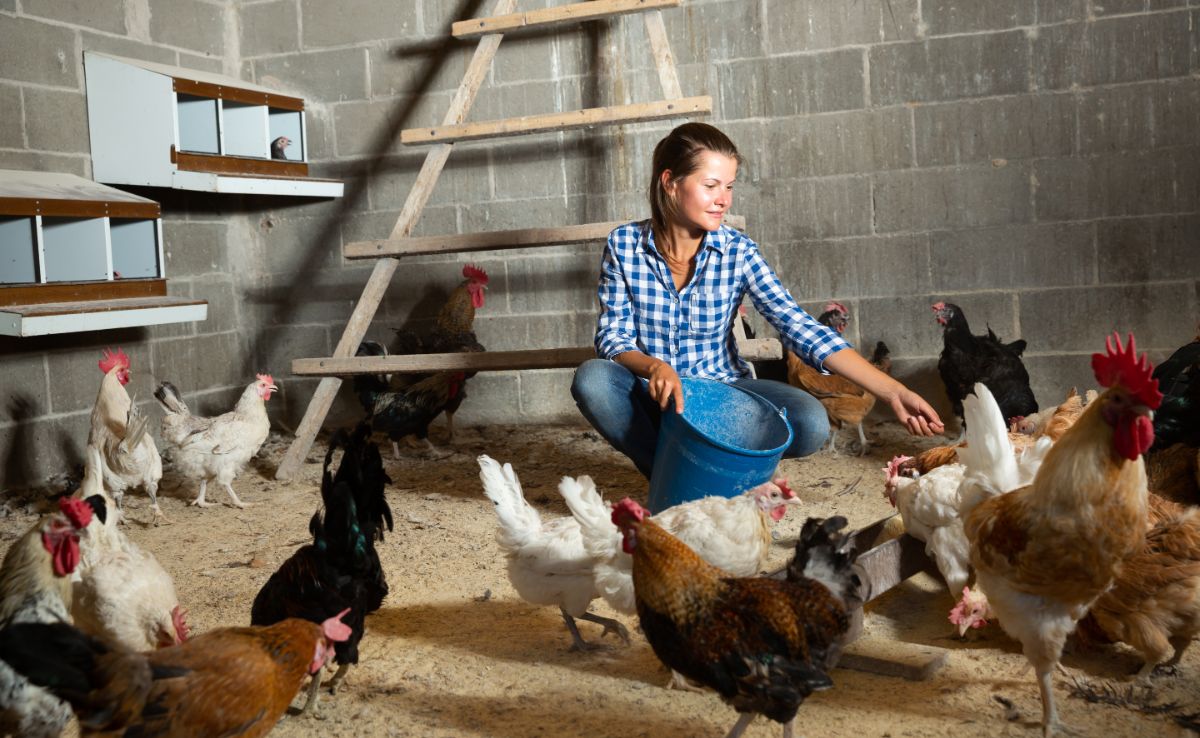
<point x="844" y="401"/>
<point x="229" y="681"/>
<point x="1044" y="552"/>
<point x="934" y="505"/>
<point x="409" y="411"/>
<point x="279" y="147"/>
<point x="35" y="587"/>
<point x="763" y="644"/>
<point x="1154" y="604"/>
<point x="340" y="569"/>
<point x="569" y="562"/>
<point x="967" y="359"/>
<point x="216" y="448"/>
<point x="1051" y="425"/>
<point x="118" y="430"/>
<point x="1174" y="473"/>
<point x="1178" y="420"/>
<point x="881" y="357"/>
<point x="121" y="592"/>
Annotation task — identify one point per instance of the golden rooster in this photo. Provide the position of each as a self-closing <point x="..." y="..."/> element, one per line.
<point x="1043" y="553"/>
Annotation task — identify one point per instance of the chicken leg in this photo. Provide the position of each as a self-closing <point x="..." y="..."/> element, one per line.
<point x="233" y="496"/>
<point x="159" y="516"/>
<point x="740" y="726"/>
<point x="199" y="501"/>
<point x="338" y="676"/>
<point x="610" y="626"/>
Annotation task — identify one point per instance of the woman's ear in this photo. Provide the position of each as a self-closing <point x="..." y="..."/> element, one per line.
<point x="665" y="179"/>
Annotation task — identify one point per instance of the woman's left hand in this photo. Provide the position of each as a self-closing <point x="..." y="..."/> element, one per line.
<point x="917" y="416"/>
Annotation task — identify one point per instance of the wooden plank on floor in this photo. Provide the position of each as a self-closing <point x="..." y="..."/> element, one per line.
<point x="530" y="124"/>
<point x="486" y="361"/>
<point x="494" y="240"/>
<point x="574" y="13"/>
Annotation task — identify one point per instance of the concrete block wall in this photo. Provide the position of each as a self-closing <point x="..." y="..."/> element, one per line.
<point x="1031" y="160"/>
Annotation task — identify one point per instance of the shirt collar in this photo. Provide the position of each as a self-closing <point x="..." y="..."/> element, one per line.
<point x="718" y="239"/>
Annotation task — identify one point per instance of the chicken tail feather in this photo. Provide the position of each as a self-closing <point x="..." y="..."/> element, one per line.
<point x="600" y="536"/>
<point x="171" y="400"/>
<point x="56" y="656"/>
<point x="518" y="521"/>
<point x="826" y="554"/>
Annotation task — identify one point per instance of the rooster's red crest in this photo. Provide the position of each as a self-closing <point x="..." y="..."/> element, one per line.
<point x="113" y="359"/>
<point x="76" y="510"/>
<point x="626" y="510"/>
<point x="1121" y="365"/>
<point x="475" y="274"/>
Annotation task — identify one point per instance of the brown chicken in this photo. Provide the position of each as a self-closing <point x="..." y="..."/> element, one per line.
<point x="1174" y="473"/>
<point x="1052" y="426"/>
<point x="230" y="681"/>
<point x="763" y="644"/>
<point x="1043" y="553"/>
<point x="844" y="401"/>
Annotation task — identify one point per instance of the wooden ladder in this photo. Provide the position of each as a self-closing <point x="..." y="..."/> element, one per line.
<point x="388" y="251"/>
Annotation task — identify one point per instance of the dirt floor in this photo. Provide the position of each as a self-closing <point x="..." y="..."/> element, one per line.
<point x="455" y="653"/>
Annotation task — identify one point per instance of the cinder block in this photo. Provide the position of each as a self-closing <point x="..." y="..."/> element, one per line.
<point x="355" y="21"/>
<point x="1110" y="50"/>
<point x="223" y="303"/>
<point x="525" y="57"/>
<point x="1118" y="118"/>
<point x="56" y="120"/>
<point x="522" y="332"/>
<point x="1153" y="249"/>
<point x="546" y="397"/>
<point x="552" y="284"/>
<point x="945" y="16"/>
<point x="373" y="128"/>
<point x="194" y="247"/>
<point x="198" y="363"/>
<point x="841" y="206"/>
<point x="530" y="169"/>
<point x="818" y="83"/>
<point x="950" y="68"/>
<point x="8" y="6"/>
<point x="189" y="24"/>
<point x="38" y="448"/>
<point x="1062" y="10"/>
<point x="120" y="46"/>
<point x="492" y="398"/>
<point x="862" y="267"/>
<point x="977" y="131"/>
<point x="509" y="214"/>
<point x="1137" y="183"/>
<point x="1013" y="257"/>
<point x="298" y="245"/>
<point x="806" y="25"/>
<point x="103" y="15"/>
<point x="212" y="64"/>
<point x="287" y="343"/>
<point x="588" y="167"/>
<point x="396" y="72"/>
<point x="715" y="30"/>
<point x="12" y="117"/>
<point x="1118" y="7"/>
<point x="840" y="143"/>
<point x="321" y="76"/>
<point x="25" y="395"/>
<point x="1052" y="377"/>
<point x="1078" y="319"/>
<point x="1176" y="109"/>
<point x="38" y="52"/>
<point x="75" y="375"/>
<point x="270" y="28"/>
<point x="963" y="197"/>
<point x="328" y="296"/>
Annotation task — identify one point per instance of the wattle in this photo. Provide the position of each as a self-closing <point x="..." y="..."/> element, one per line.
<point x="64" y="553"/>
<point x="1132" y="439"/>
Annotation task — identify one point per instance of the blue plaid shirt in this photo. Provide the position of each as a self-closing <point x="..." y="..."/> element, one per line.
<point x="690" y="329"/>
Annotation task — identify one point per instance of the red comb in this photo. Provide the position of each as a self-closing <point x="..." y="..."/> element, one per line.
<point x="113" y="359"/>
<point x="475" y="274"/>
<point x="334" y="629"/>
<point x="784" y="489"/>
<point x="893" y="467"/>
<point x="836" y="306"/>
<point x="76" y="510"/>
<point x="1121" y="365"/>
<point x="938" y="306"/>
<point x="265" y="378"/>
<point x="627" y="508"/>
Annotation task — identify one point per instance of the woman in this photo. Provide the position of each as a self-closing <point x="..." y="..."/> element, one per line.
<point x="669" y="289"/>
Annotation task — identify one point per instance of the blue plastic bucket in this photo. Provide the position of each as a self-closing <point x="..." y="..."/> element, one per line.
<point x="726" y="441"/>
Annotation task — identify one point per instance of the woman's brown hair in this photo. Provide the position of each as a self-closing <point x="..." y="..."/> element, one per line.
<point x="680" y="152"/>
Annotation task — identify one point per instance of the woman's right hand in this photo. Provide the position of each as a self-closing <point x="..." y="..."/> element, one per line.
<point x="664" y="385"/>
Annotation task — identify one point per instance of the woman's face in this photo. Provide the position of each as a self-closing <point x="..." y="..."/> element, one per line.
<point x="704" y="196"/>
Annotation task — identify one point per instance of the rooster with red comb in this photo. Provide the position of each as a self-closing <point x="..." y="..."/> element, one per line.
<point x="1043" y="553"/>
<point x="117" y="431"/>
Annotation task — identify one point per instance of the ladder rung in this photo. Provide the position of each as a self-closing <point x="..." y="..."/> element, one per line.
<point x="469" y="361"/>
<point x="755" y="349"/>
<point x="560" y="121"/>
<point x="493" y="240"/>
<point x="563" y="14"/>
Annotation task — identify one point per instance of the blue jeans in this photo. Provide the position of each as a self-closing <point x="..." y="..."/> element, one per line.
<point x="618" y="405"/>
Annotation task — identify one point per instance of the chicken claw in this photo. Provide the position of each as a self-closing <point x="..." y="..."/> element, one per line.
<point x="610" y="626"/>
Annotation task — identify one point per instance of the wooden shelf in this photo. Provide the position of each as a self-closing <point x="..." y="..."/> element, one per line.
<point x="575" y="13"/>
<point x="161" y="126"/>
<point x="96" y="315"/>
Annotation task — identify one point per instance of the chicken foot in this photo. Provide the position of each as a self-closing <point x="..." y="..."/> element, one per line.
<point x="201" y="502"/>
<point x="159" y="516"/>
<point x="610" y="626"/>
<point x="338" y="676"/>
<point x="310" y="704"/>
<point x="577" y="642"/>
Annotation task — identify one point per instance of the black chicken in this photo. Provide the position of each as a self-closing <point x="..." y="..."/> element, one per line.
<point x="967" y="359"/>
<point x="279" y="147"/>
<point x="340" y="569"/>
<point x="1177" y="420"/>
<point x="408" y="410"/>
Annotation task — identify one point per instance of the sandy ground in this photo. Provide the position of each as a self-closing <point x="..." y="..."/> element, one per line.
<point x="454" y="652"/>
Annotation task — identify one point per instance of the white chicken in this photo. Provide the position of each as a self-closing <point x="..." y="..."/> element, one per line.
<point x="121" y="593"/>
<point x="934" y="505"/>
<point x="554" y="563"/>
<point x="216" y="448"/>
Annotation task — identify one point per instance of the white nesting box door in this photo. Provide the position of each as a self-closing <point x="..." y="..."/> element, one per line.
<point x="131" y="117"/>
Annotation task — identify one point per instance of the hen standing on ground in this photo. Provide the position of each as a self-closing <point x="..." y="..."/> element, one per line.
<point x="216" y="448"/>
<point x="35" y="587"/>
<point x="967" y="359"/>
<point x="340" y="569"/>
<point x="118" y="430"/>
<point x="764" y="645"/>
<point x="226" y="682"/>
<point x="400" y="413"/>
<point x="1043" y="553"/>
